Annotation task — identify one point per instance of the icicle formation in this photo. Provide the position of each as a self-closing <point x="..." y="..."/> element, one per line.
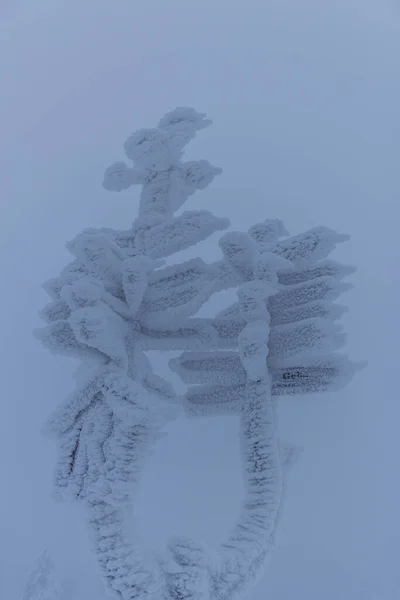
<point x="116" y="300"/>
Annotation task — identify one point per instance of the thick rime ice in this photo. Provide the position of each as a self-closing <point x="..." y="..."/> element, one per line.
<point x="185" y="570"/>
<point x="312" y="245"/>
<point x="177" y="291"/>
<point x="116" y="300"/>
<point x="240" y="253"/>
<point x="311" y="336"/>
<point x="156" y="156"/>
<point x="253" y="349"/>
<point x="268" y="232"/>
<point x="223" y="379"/>
<point x="180" y="233"/>
<point x="323" y="268"/>
<point x="250" y="541"/>
<point x="315" y="375"/>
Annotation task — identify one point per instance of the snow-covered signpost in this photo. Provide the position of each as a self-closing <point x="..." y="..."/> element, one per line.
<point x="116" y="300"/>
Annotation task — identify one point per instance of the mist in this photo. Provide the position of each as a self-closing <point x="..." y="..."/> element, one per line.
<point x="305" y="101"/>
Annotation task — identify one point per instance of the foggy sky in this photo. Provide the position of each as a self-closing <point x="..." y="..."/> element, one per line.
<point x="305" y="100"/>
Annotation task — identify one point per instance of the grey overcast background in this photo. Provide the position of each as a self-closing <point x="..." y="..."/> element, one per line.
<point x="305" y="100"/>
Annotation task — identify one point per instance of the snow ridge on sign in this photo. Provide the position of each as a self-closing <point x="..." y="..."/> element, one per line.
<point x="314" y="375"/>
<point x="177" y="291"/>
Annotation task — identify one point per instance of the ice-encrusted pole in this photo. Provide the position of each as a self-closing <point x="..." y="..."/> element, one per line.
<point x="246" y="549"/>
